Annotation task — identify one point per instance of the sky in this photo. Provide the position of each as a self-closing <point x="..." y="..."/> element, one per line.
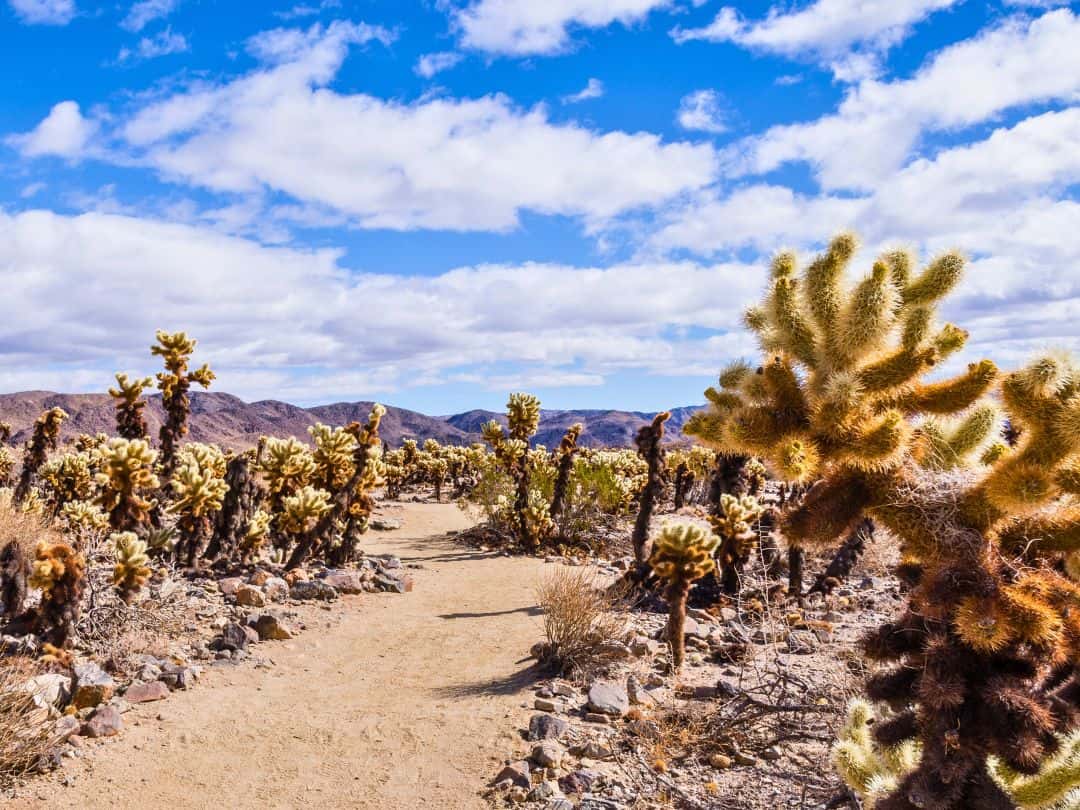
<point x="433" y="203"/>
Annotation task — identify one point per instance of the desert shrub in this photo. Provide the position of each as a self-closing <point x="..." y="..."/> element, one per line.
<point x="581" y="620"/>
<point x="27" y="735"/>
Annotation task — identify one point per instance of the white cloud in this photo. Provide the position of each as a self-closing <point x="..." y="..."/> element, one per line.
<point x="528" y="27"/>
<point x="594" y="88"/>
<point x="431" y="63"/>
<point x="161" y="44"/>
<point x="702" y="110"/>
<point x="32" y="190"/>
<point x="879" y="123"/>
<point x="63" y="132"/>
<point x="145" y="12"/>
<point x="826" y="30"/>
<point x="295" y="323"/>
<point x="468" y="164"/>
<point x="44" y="12"/>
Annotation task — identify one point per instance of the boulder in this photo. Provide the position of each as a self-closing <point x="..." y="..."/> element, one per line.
<point x="548" y="754"/>
<point x="276" y="589"/>
<point x="146" y="692"/>
<point x="546" y="727"/>
<point x="313" y="590"/>
<point x="50" y="689"/>
<point x="229" y="585"/>
<point x="271" y="628"/>
<point x="232" y="638"/>
<point x="350" y="582"/>
<point x="516" y="773"/>
<point x="384" y="524"/>
<point x="92" y="685"/>
<point x="104" y="722"/>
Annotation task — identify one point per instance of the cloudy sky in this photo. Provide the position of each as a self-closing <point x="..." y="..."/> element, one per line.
<point x="434" y="202"/>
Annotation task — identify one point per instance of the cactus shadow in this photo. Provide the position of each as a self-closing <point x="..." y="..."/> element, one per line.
<point x="509" y="685"/>
<point x="533" y="610"/>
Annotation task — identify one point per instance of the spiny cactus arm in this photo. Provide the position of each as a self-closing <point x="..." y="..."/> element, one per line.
<point x="1043" y="534"/>
<point x="523" y="412"/>
<point x="822" y="281"/>
<point x="881" y="446"/>
<point x="939" y="278"/>
<point x="1056" y="785"/>
<point x="867" y="319"/>
<point x="953" y="395"/>
<point x="828" y="510"/>
<point x="129" y="390"/>
<point x="131" y="571"/>
<point x="787" y="320"/>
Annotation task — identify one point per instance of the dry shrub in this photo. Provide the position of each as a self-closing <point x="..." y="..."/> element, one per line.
<point x="27" y="734"/>
<point x="582" y="620"/>
<point x="25" y="528"/>
<point x="118" y="634"/>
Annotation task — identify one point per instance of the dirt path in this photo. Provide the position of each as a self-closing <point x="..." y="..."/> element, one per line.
<point x="400" y="704"/>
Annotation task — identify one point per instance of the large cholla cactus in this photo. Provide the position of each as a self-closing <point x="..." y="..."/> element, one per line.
<point x="59" y="573"/>
<point x="14" y="571"/>
<point x="126" y="477"/>
<point x="67" y="479"/>
<point x="199" y="488"/>
<point x="564" y="466"/>
<point x="738" y="535"/>
<point x="531" y="525"/>
<point x="131" y="571"/>
<point x="333" y="456"/>
<point x="174" y="382"/>
<point x="238" y="508"/>
<point x="874" y="771"/>
<point x="649" y="441"/>
<point x="681" y="555"/>
<point x="44" y="438"/>
<point x="301" y="512"/>
<point x="984" y="656"/>
<point x="130" y="419"/>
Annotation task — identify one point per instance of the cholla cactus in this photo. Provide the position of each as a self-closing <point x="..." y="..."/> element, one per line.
<point x="242" y="499"/>
<point x="287" y="465"/>
<point x="511" y="452"/>
<point x="84" y="523"/>
<point x="564" y="465"/>
<point x="303" y="510"/>
<point x="126" y="476"/>
<point x="682" y="553"/>
<point x="255" y="534"/>
<point x="174" y="383"/>
<point x="59" y="573"/>
<point x="333" y="456"/>
<point x="7" y="467"/>
<point x="982" y="657"/>
<point x="44" y="439"/>
<point x="14" y="571"/>
<point x="649" y="441"/>
<point x="874" y="771"/>
<point x="131" y="571"/>
<point x="130" y="419"/>
<point x="67" y="478"/>
<point x="736" y="530"/>
<point x="199" y="490"/>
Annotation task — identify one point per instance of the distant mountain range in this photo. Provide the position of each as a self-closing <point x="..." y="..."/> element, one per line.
<point x="228" y="420"/>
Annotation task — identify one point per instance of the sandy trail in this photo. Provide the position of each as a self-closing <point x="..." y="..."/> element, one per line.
<point x="402" y="702"/>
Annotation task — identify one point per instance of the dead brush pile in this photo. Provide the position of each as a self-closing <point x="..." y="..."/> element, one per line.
<point x="27" y="734"/>
<point x="583" y="621"/>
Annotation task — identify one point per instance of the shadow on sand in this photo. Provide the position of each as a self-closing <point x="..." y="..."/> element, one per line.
<point x="510" y="685"/>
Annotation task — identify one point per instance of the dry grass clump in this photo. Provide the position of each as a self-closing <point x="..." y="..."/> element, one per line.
<point x="583" y="621"/>
<point x="27" y="734"/>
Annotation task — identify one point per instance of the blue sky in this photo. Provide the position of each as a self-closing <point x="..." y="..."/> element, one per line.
<point x="433" y="203"/>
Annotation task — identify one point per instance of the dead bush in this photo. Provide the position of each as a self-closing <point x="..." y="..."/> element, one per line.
<point x="27" y="734"/>
<point x="583" y="622"/>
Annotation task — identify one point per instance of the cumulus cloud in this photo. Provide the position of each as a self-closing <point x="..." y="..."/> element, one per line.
<point x="878" y="124"/>
<point x="528" y="27"/>
<point x="431" y="63"/>
<point x="594" y="88"/>
<point x="44" y="12"/>
<point x="279" y="321"/>
<point x="455" y="164"/>
<point x="145" y="12"/>
<point x="63" y="133"/>
<point x="827" y="30"/>
<point x="702" y="110"/>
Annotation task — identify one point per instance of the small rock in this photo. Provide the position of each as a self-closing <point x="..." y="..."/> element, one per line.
<point x="544" y="790"/>
<point x="720" y="761"/>
<point x="546" y="727"/>
<point x="229" y="585"/>
<point x="593" y="749"/>
<point x="276" y="589"/>
<point x="516" y="773"/>
<point x="350" y="582"/>
<point x="614" y="650"/>
<point x="771" y="754"/>
<point x="176" y="676"/>
<point x="393" y="582"/>
<point x="251" y="634"/>
<point x="232" y="638"/>
<point x="313" y="590"/>
<point x="545" y="705"/>
<point x="146" y="692"/>
<point x="599" y="719"/>
<point x="563" y="689"/>
<point x="638" y="695"/>
<point x="606" y="697"/>
<point x="559" y="804"/>
<point x="384" y="524"/>
<point x="260" y="578"/>
<point x="580" y="781"/>
<point x="801" y="642"/>
<point x="548" y="754"/>
<point x="92" y="685"/>
<point x="250" y="596"/>
<point x="66" y="727"/>
<point x="50" y="689"/>
<point x="743" y="759"/>
<point x="270" y="628"/>
<point x="104" y="722"/>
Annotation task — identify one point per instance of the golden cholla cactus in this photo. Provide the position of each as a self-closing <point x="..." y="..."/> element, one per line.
<point x="870" y="770"/>
<point x="512" y="453"/>
<point x="523" y="414"/>
<point x="131" y="571"/>
<point x="302" y="510"/>
<point x="83" y="523"/>
<point x="126" y="477"/>
<point x="258" y="529"/>
<point x="206" y="457"/>
<point x="199" y="488"/>
<point x="67" y="478"/>
<point x="44" y="438"/>
<point x="649" y="443"/>
<point x="286" y="465"/>
<point x="174" y="382"/>
<point x="735" y="526"/>
<point x="130" y="419"/>
<point x="682" y="553"/>
<point x="7" y="467"/>
<point x="840" y="398"/>
<point x="564" y="467"/>
<point x="59" y="573"/>
<point x="333" y="455"/>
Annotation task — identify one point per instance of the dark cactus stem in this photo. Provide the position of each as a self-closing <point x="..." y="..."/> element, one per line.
<point x="843" y="562"/>
<point x="676" y="595"/>
<point x="194" y="532"/>
<point x="521" y="503"/>
<point x="14" y="569"/>
<point x="43" y="440"/>
<point x="795" y="571"/>
<point x="649" y="441"/>
<point x="684" y="481"/>
<point x="567" y="450"/>
<point x="239" y="506"/>
<point x="770" y="548"/>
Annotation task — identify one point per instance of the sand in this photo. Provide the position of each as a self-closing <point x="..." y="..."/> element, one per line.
<point x="389" y="701"/>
